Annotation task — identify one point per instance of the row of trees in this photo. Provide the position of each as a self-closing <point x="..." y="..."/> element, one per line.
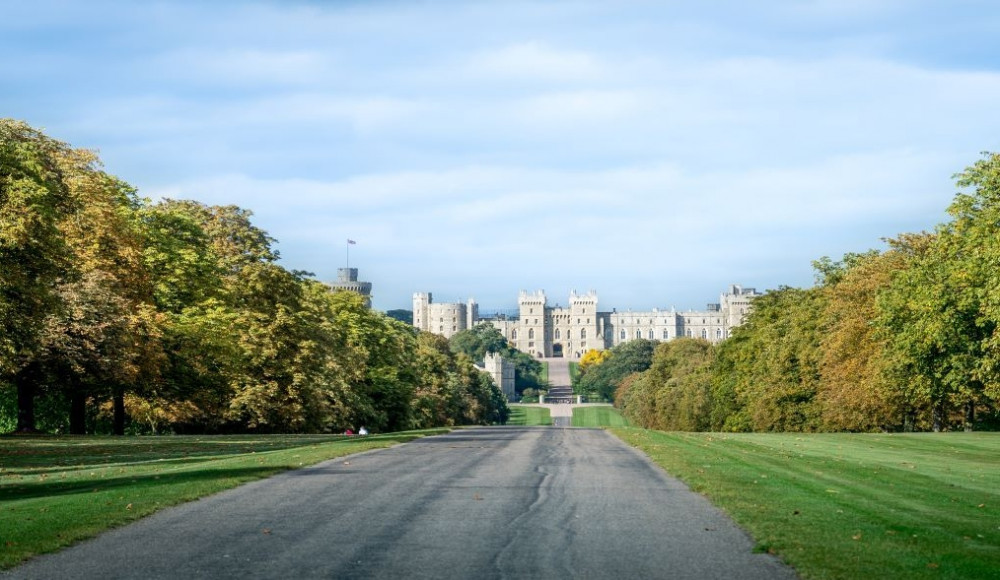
<point x="901" y="339"/>
<point x="115" y="311"/>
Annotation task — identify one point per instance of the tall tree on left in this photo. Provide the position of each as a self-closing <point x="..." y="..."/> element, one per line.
<point x="34" y="198"/>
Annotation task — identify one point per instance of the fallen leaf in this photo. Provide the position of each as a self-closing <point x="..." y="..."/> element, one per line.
<point x="128" y="507"/>
<point x="932" y="565"/>
<point x="856" y="536"/>
<point x="477" y="497"/>
<point x="266" y="531"/>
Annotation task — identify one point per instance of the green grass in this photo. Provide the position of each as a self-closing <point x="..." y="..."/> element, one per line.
<point x="544" y="375"/>
<point x="55" y="491"/>
<point x="598" y="416"/>
<point x="523" y="415"/>
<point x="574" y="371"/>
<point x="850" y="505"/>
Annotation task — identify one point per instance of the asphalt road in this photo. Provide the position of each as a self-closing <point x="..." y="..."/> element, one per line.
<point x="505" y="502"/>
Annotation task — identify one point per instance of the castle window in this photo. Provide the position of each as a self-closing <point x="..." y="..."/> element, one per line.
<point x="583" y="333"/>
<point x="441" y="329"/>
<point x="638" y="333"/>
<point x="704" y="333"/>
<point x="651" y="334"/>
<point x="689" y="333"/>
<point x="558" y="335"/>
<point x="531" y="334"/>
<point x="623" y="334"/>
<point x="718" y="333"/>
<point x="513" y="334"/>
<point x="666" y="334"/>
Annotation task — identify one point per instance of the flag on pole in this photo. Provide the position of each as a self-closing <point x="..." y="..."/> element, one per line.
<point x="349" y="241"/>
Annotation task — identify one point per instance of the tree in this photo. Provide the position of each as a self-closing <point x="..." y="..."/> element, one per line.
<point x="34" y="198"/>
<point x="404" y="316"/>
<point x="940" y="315"/>
<point x="630" y="357"/>
<point x="674" y="393"/>
<point x="768" y="372"/>
<point x="855" y="391"/>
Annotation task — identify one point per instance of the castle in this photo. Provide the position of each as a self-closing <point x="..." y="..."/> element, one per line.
<point x="545" y="331"/>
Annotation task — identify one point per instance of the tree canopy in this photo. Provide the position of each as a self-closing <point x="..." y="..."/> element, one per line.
<point x="120" y="314"/>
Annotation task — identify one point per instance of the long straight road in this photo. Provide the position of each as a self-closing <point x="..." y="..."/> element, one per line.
<point x="502" y="502"/>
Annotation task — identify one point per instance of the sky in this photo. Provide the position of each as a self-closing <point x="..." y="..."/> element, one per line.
<point x="655" y="152"/>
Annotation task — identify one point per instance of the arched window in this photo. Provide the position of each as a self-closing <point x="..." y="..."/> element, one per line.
<point x="583" y="334"/>
<point x="651" y="335"/>
<point x="718" y="333"/>
<point x="558" y="335"/>
<point x="638" y="333"/>
<point x="513" y="334"/>
<point x="623" y="334"/>
<point x="704" y="333"/>
<point x="531" y="334"/>
<point x="666" y="334"/>
<point x="689" y="333"/>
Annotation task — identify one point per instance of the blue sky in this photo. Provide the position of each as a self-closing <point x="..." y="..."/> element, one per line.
<point x="653" y="151"/>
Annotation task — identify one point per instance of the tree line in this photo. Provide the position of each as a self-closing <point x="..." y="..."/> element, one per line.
<point x="904" y="338"/>
<point x="120" y="314"/>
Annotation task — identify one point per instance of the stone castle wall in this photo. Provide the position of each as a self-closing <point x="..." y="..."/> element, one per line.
<point x="544" y="331"/>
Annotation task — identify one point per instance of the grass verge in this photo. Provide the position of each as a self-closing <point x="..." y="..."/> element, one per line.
<point x="574" y="371"/>
<point x="850" y="505"/>
<point x="524" y="415"/>
<point x="544" y="375"/>
<point x="598" y="416"/>
<point x="56" y="491"/>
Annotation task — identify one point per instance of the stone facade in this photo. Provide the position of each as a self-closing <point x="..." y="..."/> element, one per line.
<point x="446" y="318"/>
<point x="545" y="331"/>
<point x="347" y="279"/>
<point x="502" y="372"/>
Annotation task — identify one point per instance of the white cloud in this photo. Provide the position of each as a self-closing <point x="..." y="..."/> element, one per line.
<point x="535" y="61"/>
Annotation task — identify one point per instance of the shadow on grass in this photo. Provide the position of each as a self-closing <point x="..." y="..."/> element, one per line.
<point x="34" y="490"/>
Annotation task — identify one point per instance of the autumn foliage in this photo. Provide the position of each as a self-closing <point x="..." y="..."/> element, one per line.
<point x="901" y="339"/>
<point x="120" y="314"/>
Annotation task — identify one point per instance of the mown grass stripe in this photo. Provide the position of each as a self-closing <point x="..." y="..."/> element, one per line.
<point x="849" y="506"/>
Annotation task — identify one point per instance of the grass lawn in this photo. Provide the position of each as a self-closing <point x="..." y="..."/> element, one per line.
<point x="574" y="371"/>
<point x="523" y="415"/>
<point x="598" y="416"/>
<point x="55" y="491"/>
<point x="850" y="505"/>
<point x="544" y="376"/>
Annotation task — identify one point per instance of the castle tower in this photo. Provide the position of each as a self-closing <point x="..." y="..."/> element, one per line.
<point x="472" y="313"/>
<point x="531" y="331"/>
<point x="347" y="279"/>
<point x="586" y="333"/>
<point x="421" y="310"/>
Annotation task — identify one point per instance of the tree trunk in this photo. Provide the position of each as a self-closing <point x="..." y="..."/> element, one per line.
<point x="970" y="416"/>
<point x="937" y="416"/>
<point x="27" y="386"/>
<point x="25" y="405"/>
<point x="77" y="413"/>
<point x="119" y="411"/>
